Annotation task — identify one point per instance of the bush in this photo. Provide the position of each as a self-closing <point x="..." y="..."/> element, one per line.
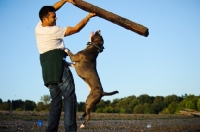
<point x="19" y="109"/>
<point x="172" y="107"/>
<point x="108" y="109"/>
<point x="139" y="109"/>
<point x="190" y="105"/>
<point x="99" y="110"/>
<point x="165" y="111"/>
<point x="198" y="104"/>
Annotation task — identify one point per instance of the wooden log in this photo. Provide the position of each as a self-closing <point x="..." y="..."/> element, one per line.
<point x="135" y="27"/>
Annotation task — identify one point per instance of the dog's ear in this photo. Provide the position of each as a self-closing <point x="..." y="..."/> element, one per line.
<point x="90" y="38"/>
<point x="98" y="32"/>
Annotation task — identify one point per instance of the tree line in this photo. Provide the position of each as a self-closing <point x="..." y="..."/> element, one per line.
<point x="143" y="104"/>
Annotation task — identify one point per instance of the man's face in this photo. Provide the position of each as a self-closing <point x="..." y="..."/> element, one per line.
<point x="51" y="19"/>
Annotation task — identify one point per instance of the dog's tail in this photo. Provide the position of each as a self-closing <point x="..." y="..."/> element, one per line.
<point x="109" y="93"/>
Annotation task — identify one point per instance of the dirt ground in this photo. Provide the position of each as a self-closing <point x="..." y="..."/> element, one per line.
<point x="28" y="122"/>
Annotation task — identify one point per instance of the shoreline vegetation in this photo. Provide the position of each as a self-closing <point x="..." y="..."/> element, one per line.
<point x="143" y="104"/>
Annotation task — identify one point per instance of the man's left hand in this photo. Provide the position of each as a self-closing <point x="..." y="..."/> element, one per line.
<point x="70" y="1"/>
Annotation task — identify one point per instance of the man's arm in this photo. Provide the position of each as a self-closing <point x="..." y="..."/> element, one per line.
<point x="79" y="26"/>
<point x="59" y="4"/>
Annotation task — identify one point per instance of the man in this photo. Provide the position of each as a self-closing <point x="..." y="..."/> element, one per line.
<point x="56" y="76"/>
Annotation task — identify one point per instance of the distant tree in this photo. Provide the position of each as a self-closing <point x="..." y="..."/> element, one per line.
<point x="99" y="110"/>
<point x="165" y="111"/>
<point x="171" y="98"/>
<point x="122" y="110"/>
<point x="115" y="106"/>
<point x="127" y="104"/>
<point x="46" y="99"/>
<point x="10" y="104"/>
<point x="17" y="104"/>
<point x="40" y="107"/>
<point x="190" y="101"/>
<point x="139" y="109"/>
<point x="181" y="105"/>
<point x="148" y="109"/>
<point x="29" y="105"/>
<point x="102" y="104"/>
<point x="190" y="105"/>
<point x="1" y="101"/>
<point x="172" y="107"/>
<point x="144" y="98"/>
<point x="158" y="104"/>
<point x="133" y="103"/>
<point x="81" y="106"/>
<point x="115" y="101"/>
<point x="184" y="96"/>
<point x="198" y="104"/>
<point x="4" y="106"/>
<point x="108" y="109"/>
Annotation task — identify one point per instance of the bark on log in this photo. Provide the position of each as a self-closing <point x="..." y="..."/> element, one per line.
<point x="135" y="27"/>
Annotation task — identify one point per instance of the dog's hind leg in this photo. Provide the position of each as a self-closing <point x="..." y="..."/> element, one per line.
<point x="82" y="116"/>
<point x="88" y="116"/>
<point x="92" y="100"/>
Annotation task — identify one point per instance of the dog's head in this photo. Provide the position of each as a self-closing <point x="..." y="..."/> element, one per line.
<point x="97" y="39"/>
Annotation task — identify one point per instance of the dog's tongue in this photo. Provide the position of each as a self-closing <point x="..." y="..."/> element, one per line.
<point x="91" y="34"/>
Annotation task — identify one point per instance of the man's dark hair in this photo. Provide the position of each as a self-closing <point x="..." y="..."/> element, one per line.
<point x="44" y="11"/>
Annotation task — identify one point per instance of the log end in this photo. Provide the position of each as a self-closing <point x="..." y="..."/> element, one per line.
<point x="146" y="34"/>
<point x="141" y="31"/>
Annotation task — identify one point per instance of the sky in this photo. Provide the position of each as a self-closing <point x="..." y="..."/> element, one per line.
<point x="164" y="63"/>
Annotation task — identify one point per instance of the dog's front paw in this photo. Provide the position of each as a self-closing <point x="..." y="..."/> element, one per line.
<point x="66" y="50"/>
<point x="73" y="65"/>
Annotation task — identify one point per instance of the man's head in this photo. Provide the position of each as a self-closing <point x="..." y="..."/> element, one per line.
<point x="47" y="15"/>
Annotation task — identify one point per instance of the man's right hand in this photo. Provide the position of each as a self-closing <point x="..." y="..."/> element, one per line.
<point x="92" y="14"/>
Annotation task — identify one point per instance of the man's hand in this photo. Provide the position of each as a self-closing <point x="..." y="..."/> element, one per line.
<point x="92" y="14"/>
<point x="70" y="1"/>
<point x="60" y="3"/>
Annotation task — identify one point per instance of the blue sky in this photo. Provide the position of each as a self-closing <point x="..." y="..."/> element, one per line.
<point x="164" y="63"/>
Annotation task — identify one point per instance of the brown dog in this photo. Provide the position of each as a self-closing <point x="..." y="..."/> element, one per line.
<point x="85" y="65"/>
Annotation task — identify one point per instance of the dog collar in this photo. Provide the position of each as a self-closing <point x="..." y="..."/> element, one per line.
<point x="100" y="49"/>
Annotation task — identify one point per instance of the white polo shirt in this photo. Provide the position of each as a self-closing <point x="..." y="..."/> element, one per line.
<point x="49" y="38"/>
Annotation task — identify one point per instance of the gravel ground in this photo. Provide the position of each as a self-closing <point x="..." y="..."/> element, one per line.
<point x="107" y="122"/>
